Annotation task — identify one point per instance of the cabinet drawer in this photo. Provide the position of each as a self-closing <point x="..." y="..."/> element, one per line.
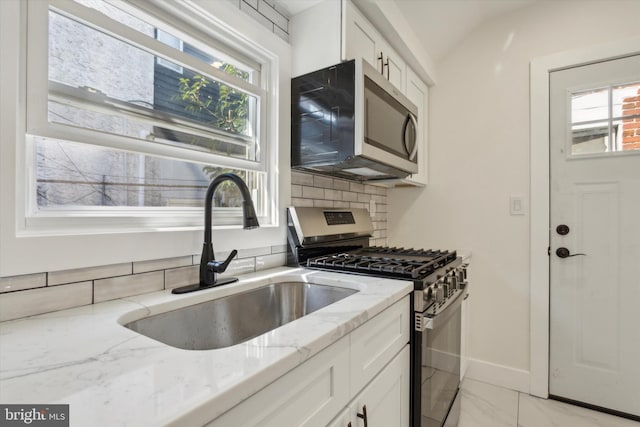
<point x="310" y="395"/>
<point x="376" y="342"/>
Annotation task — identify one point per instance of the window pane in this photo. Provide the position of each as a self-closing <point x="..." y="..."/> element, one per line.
<point x="598" y="129"/>
<point x="590" y="138"/>
<point x="590" y="105"/>
<point x="626" y="100"/>
<point x="78" y="175"/>
<point x="215" y="59"/>
<point x="102" y="83"/>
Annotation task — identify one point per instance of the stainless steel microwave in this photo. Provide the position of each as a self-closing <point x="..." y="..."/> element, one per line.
<point x="347" y="120"/>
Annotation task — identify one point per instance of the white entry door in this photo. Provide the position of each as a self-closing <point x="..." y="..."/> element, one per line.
<point x="595" y="234"/>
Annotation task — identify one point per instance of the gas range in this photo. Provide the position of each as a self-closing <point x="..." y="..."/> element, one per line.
<point x="338" y="240"/>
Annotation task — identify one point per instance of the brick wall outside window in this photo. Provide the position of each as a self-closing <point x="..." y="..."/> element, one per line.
<point x="631" y="127"/>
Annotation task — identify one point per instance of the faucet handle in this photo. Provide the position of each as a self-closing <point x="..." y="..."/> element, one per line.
<point x="220" y="267"/>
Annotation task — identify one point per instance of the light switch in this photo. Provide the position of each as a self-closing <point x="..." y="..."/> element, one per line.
<point x="517" y="205"/>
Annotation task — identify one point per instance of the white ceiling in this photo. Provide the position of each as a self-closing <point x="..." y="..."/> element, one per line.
<point x="439" y="24"/>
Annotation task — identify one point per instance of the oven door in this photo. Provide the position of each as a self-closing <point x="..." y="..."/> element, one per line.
<point x="440" y="368"/>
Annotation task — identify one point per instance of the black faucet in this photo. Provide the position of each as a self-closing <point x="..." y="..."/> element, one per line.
<point x="209" y="267"/>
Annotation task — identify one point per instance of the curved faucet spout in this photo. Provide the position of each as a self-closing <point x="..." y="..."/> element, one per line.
<point x="250" y="219"/>
<point x="209" y="267"/>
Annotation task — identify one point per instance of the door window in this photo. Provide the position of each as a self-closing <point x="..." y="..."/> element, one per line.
<point x="605" y="119"/>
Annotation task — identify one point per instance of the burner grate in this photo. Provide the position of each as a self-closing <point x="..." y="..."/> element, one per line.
<point x="399" y="268"/>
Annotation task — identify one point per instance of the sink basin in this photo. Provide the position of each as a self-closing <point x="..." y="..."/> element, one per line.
<point x="236" y="318"/>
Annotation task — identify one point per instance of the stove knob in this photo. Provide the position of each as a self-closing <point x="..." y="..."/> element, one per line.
<point x="439" y="294"/>
<point x="429" y="294"/>
<point x="454" y="282"/>
<point x="445" y="288"/>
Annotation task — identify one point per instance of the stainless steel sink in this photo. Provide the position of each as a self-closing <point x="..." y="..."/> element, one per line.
<point x="236" y="318"/>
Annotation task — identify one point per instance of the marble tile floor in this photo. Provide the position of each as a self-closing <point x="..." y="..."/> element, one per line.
<point x="485" y="405"/>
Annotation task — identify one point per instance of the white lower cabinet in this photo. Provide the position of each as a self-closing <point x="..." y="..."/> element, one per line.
<point x="386" y="399"/>
<point x="309" y="395"/>
<point x="368" y="368"/>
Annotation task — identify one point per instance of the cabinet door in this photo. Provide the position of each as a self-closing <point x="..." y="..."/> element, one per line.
<point x="310" y="395"/>
<point x="386" y="398"/>
<point x="418" y="93"/>
<point x="376" y="342"/>
<point x="360" y="37"/>
<point x="394" y="67"/>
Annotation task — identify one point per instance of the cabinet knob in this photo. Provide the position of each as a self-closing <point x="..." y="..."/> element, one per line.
<point x="363" y="415"/>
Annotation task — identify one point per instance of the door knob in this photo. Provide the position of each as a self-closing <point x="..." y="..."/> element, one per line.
<point x="565" y="253"/>
<point x="562" y="229"/>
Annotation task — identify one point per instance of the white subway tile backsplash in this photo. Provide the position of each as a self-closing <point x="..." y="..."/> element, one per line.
<point x="14" y="305"/>
<point x="261" y="19"/>
<point x="349" y="196"/>
<point x="358" y="188"/>
<point x="301" y="202"/>
<point x="296" y="190"/>
<point x="161" y="264"/>
<point x="340" y="184"/>
<point x="182" y="276"/>
<point x="364" y="198"/>
<point x="91" y="273"/>
<point x="270" y="261"/>
<point x="253" y="252"/>
<point x="276" y="249"/>
<point x="301" y="178"/>
<point x="323" y="203"/>
<point x="120" y="287"/>
<point x="312" y="192"/>
<point x="20" y="283"/>
<point x="379" y="199"/>
<point x="252" y="3"/>
<point x="340" y="204"/>
<point x="273" y="15"/>
<point x="322" y="181"/>
<point x="358" y="205"/>
<point x="281" y="33"/>
<point x="240" y="266"/>
<point x="380" y="216"/>
<point x="332" y="194"/>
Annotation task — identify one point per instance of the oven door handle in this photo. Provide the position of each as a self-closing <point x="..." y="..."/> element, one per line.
<point x="424" y="322"/>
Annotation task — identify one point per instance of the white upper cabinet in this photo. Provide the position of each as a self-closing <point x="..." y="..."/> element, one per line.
<point x="361" y="39"/>
<point x="335" y="31"/>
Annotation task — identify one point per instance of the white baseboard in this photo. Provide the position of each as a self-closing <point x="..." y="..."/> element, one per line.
<point x="499" y="375"/>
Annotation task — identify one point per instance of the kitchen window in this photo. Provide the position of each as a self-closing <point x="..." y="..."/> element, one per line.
<point x="132" y="112"/>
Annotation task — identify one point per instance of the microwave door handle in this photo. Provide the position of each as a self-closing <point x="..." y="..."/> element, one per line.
<point x="413" y="151"/>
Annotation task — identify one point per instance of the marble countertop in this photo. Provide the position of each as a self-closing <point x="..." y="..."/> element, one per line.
<point x="110" y="375"/>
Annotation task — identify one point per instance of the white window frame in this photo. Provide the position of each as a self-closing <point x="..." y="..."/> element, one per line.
<point x="168" y="39"/>
<point x="25" y="250"/>
<point x="84" y="219"/>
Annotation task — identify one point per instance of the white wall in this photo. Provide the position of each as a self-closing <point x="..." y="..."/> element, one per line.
<point x="479" y="157"/>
